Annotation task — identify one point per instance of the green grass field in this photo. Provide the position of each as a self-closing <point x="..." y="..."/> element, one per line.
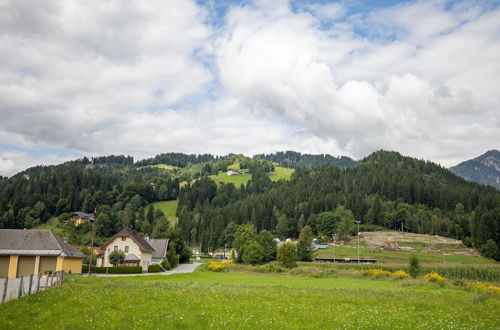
<point x="395" y="257"/>
<point x="169" y="208"/>
<point x="161" y="166"/>
<point x="279" y="173"/>
<point x="248" y="301"/>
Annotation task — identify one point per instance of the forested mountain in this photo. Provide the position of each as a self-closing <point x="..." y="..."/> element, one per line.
<point x="383" y="190"/>
<point x="484" y="169"/>
<point x="292" y="159"/>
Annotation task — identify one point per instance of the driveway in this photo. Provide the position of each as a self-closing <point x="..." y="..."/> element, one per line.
<point x="183" y="268"/>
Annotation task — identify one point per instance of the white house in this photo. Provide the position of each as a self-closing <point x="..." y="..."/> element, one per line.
<point x="138" y="250"/>
<point x="232" y="171"/>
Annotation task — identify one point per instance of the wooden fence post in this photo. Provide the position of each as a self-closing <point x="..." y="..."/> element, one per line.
<point x="51" y="279"/>
<point x="31" y="283"/>
<point x="38" y="282"/>
<point x="20" y="287"/>
<point x="5" y="286"/>
<point x="62" y="278"/>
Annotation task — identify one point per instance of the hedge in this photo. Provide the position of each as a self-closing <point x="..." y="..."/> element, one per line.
<point x="154" y="268"/>
<point x="114" y="270"/>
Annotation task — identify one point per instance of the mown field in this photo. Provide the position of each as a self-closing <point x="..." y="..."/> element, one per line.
<point x="169" y="208"/>
<point x="279" y="173"/>
<point x="383" y="256"/>
<point x="206" y="299"/>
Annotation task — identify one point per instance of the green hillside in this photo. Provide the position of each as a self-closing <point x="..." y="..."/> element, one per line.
<point x="169" y="208"/>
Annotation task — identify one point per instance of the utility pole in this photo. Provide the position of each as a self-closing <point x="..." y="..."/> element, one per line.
<point x="333" y="237"/>
<point x="92" y="241"/>
<point x="358" y="238"/>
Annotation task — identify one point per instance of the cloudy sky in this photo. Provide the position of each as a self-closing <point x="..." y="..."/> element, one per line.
<point x="217" y="76"/>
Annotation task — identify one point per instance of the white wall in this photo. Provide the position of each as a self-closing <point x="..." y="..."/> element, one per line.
<point x="133" y="248"/>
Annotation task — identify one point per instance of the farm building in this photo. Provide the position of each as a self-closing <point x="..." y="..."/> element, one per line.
<point x="232" y="171"/>
<point x="139" y="251"/>
<point x="26" y="252"/>
<point x="80" y="217"/>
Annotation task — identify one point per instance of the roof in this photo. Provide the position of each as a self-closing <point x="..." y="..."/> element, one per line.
<point x="141" y="241"/>
<point x="35" y="242"/>
<point x="131" y="257"/>
<point x="160" y="246"/>
<point x="83" y="215"/>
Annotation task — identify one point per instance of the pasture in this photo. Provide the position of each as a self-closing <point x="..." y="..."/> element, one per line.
<point x="205" y="299"/>
<point x="169" y="208"/>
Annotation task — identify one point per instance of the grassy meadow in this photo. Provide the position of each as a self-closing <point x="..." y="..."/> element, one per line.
<point x="169" y="208"/>
<point x="205" y="299"/>
<point x="383" y="256"/>
<point x="279" y="173"/>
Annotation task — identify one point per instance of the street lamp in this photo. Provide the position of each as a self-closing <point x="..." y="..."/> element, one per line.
<point x="333" y="238"/>
<point x="358" y="222"/>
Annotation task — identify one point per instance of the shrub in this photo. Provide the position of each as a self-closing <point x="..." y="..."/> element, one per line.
<point x="185" y="255"/>
<point x="376" y="272"/>
<point x="114" y="270"/>
<point x="216" y="266"/>
<point x="490" y="250"/>
<point x="154" y="268"/>
<point x="304" y="250"/>
<point x="165" y="264"/>
<point x="287" y="255"/>
<point x="434" y="277"/>
<point x="253" y="254"/>
<point x="116" y="257"/>
<point x="172" y="257"/>
<point x="400" y="274"/>
<point x="414" y="268"/>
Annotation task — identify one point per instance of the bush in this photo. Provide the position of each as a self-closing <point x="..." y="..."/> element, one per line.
<point x="172" y="257"/>
<point x="304" y="251"/>
<point x="400" y="274"/>
<point x="114" y="270"/>
<point x="185" y="255"/>
<point x="216" y="266"/>
<point x="434" y="277"/>
<point x="253" y="254"/>
<point x="287" y="255"/>
<point x="116" y="257"/>
<point x="414" y="268"/>
<point x="377" y="272"/>
<point x="165" y="264"/>
<point x="490" y="250"/>
<point x="154" y="269"/>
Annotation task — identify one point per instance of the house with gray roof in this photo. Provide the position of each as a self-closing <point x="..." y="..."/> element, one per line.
<point x="139" y="251"/>
<point x="25" y="252"/>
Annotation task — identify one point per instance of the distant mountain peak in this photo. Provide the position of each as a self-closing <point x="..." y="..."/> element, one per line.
<point x="484" y="169"/>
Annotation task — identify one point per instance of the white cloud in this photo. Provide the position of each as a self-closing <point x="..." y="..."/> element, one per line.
<point x="141" y="78"/>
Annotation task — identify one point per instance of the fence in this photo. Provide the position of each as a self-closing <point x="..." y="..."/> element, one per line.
<point x="14" y="288"/>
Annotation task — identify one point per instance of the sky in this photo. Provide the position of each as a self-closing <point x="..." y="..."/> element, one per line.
<point x="91" y="78"/>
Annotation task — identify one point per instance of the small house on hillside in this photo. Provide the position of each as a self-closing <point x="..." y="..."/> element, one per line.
<point x="139" y="251"/>
<point x="80" y="217"/>
<point x="26" y="252"/>
<point x="233" y="171"/>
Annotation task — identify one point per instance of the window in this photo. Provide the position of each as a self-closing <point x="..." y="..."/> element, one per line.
<point x="116" y="248"/>
<point x="124" y="238"/>
<point x="126" y="249"/>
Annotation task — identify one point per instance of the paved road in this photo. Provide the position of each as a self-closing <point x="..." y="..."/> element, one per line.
<point x="183" y="268"/>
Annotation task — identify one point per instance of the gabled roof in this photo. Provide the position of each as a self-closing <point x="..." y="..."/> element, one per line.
<point x="138" y="239"/>
<point x="35" y="242"/>
<point x="83" y="215"/>
<point x="160" y="246"/>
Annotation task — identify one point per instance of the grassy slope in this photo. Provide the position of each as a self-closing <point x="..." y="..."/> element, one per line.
<point x="169" y="208"/>
<point x="162" y="166"/>
<point x="279" y="173"/>
<point x="227" y="300"/>
<point x="399" y="256"/>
